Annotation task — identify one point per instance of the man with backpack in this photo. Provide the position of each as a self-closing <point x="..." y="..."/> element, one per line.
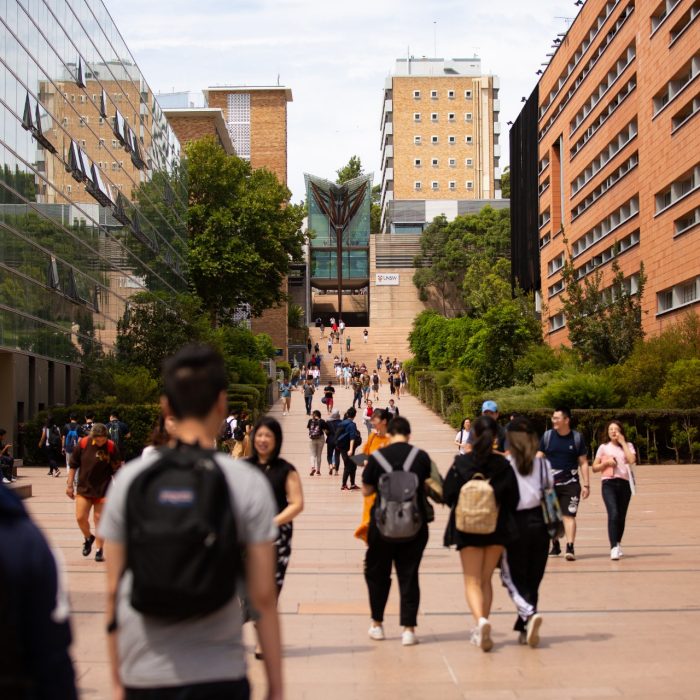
<point x="71" y="435"/>
<point x="119" y="433"/>
<point x="347" y="440"/>
<point x="567" y="452"/>
<point x="173" y="631"/>
<point x="398" y="528"/>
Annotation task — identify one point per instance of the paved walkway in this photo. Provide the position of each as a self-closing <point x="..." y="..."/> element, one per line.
<point x="612" y="629"/>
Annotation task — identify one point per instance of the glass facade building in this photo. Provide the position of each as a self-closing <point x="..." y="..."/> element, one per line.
<point x="92" y="199"/>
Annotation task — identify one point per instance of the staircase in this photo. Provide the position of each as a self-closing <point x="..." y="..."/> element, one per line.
<point x="396" y="251"/>
<point x="389" y="339"/>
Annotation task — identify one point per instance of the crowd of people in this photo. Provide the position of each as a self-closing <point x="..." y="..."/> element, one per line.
<point x="495" y="490"/>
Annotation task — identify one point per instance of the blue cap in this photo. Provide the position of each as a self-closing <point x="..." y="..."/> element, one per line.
<point x="489" y="406"/>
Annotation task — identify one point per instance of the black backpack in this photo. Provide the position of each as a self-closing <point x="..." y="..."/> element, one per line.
<point x="182" y="543"/>
<point x="226" y="432"/>
<point x="54" y="437"/>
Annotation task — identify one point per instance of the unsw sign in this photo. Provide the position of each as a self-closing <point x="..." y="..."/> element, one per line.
<point x="387" y="279"/>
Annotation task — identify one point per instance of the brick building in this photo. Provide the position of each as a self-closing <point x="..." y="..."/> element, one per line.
<point x="606" y="152"/>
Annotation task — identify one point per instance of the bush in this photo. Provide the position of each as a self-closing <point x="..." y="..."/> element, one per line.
<point x="682" y="386"/>
<point x="538" y="358"/>
<point x="135" y="385"/>
<point x="582" y="391"/>
<point x="244" y="371"/>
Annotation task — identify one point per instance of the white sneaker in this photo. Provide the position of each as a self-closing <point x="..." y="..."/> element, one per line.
<point x="475" y="638"/>
<point x="619" y="550"/>
<point x="408" y="638"/>
<point x="533" y="630"/>
<point x="376" y="632"/>
<point x="485" y="641"/>
<point x="5" y="481"/>
<point x="615" y="553"/>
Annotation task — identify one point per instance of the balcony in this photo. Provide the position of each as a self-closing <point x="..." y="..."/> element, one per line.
<point x="496" y="127"/>
<point x="497" y="151"/>
<point x="496" y="105"/>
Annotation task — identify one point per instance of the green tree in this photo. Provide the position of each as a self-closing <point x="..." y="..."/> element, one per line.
<point x="486" y="283"/>
<point x="603" y="324"/>
<point x="682" y="386"/>
<point x="242" y="233"/>
<point x="505" y="183"/>
<point x="350" y="171"/>
<point x="375" y="212"/>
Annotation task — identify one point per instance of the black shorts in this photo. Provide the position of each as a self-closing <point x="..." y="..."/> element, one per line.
<point x="569" y="496"/>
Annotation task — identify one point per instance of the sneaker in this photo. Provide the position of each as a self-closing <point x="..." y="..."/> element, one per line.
<point x="99" y="555"/>
<point x="5" y="480"/>
<point x="57" y="473"/>
<point x="408" y="638"/>
<point x="313" y="471"/>
<point x="555" y="551"/>
<point x="87" y="545"/>
<point x="50" y="472"/>
<point x="570" y="556"/>
<point x="615" y="553"/>
<point x="522" y="638"/>
<point x="532" y="633"/>
<point x="354" y="487"/>
<point x="485" y="641"/>
<point x="619" y="546"/>
<point x="344" y="488"/>
<point x="376" y="632"/>
<point x="475" y="638"/>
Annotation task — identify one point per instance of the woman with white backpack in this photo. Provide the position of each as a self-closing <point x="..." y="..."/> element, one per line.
<point x="482" y="491"/>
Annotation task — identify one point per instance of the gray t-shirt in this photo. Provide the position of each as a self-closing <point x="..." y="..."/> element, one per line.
<point x="156" y="654"/>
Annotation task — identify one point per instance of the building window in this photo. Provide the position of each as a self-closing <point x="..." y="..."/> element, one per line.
<point x="69" y="188"/>
<point x="435" y="185"/>
<point x="678" y="296"/>
<point x="469" y="162"/>
<point x="452" y="185"/>
<point x="556" y="264"/>
<point x="65" y="121"/>
<point x="238" y="122"/>
<point x="433" y="94"/>
<point x="416" y="116"/>
<point x="416" y="94"/>
<point x="684" y="185"/>
<point x="101" y="143"/>
<point x="689" y="110"/>
<point x="450" y="94"/>
<point x="662" y="11"/>
<point x="433" y="116"/>
<point x="467" y="116"/>
<point x="677" y="84"/>
<point x="467" y="94"/>
<point x="83" y="120"/>
<point x="470" y="184"/>
<point x="453" y="162"/>
<point x="417" y="185"/>
<point x="687" y="18"/>
<point x="417" y="163"/>
<point x="115" y="165"/>
<point x="450" y="116"/>
<point x="556" y="322"/>
<point x="469" y="139"/>
<point x="451" y="139"/>
<point x="605" y="227"/>
<point x="555" y="289"/>
<point x="686" y="222"/>
<point x="417" y="140"/>
<point x="434" y="162"/>
<point x="434" y="139"/>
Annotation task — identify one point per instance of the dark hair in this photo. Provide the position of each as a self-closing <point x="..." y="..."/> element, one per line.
<point x="399" y="426"/>
<point x="316" y="413"/>
<point x="607" y="429"/>
<point x="351" y="412"/>
<point x="72" y="417"/>
<point x="193" y="380"/>
<point x="115" y="414"/>
<point x="3" y="432"/>
<point x="49" y="421"/>
<point x="381" y="413"/>
<point x="523" y="444"/>
<point x="485" y="431"/>
<point x="566" y="412"/>
<point x="159" y="435"/>
<point x="276" y="429"/>
<point x="90" y="416"/>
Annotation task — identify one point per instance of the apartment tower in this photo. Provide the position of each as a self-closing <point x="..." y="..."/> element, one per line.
<point x="605" y="159"/>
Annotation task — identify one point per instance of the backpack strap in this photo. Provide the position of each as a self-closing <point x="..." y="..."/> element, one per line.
<point x="410" y="459"/>
<point x="384" y="463"/>
<point x="577" y="442"/>
<point x="547" y="438"/>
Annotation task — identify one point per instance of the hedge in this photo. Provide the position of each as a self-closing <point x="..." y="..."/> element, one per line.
<point x="658" y="435"/>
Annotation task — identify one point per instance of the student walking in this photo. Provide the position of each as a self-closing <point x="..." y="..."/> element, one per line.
<point x="286" y="395"/>
<point x="480" y="553"/>
<point x="365" y="335"/>
<point x="198" y="652"/>
<point x="614" y="461"/>
<point x="308" y="394"/>
<point x="567" y="452"/>
<point x="347" y="439"/>
<point x="393" y="409"/>
<point x="97" y="459"/>
<point x="375" y="385"/>
<point x="328" y="397"/>
<point x="50" y="443"/>
<point x="383" y="551"/>
<point x="462" y="437"/>
<point x="367" y="416"/>
<point x="525" y="559"/>
<point x="332" y="453"/>
<point x="316" y="427"/>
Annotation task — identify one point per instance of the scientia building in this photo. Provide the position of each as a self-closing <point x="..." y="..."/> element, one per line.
<point x="92" y="202"/>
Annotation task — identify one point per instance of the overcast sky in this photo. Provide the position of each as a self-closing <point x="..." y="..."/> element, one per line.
<point x="335" y="56"/>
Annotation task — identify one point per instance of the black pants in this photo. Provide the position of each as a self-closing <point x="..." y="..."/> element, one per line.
<point x="406" y="556"/>
<point x="616" y="496"/>
<point x="523" y="563"/>
<point x="349" y="468"/>
<point x="7" y="464"/>
<point x="221" y="690"/>
<point x="333" y="456"/>
<point x="357" y="397"/>
<point x="307" y="400"/>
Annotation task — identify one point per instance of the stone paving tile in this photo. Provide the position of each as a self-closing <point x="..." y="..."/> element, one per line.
<point x="612" y="629"/>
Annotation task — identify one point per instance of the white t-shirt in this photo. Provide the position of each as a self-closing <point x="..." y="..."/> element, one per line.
<point x="153" y="653"/>
<point x="531" y="486"/>
<point x="462" y="438"/>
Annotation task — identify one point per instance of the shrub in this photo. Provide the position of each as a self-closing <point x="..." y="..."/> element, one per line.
<point x="244" y="371"/>
<point x="538" y="358"/>
<point x="135" y="385"/>
<point x="682" y="386"/>
<point x="582" y="391"/>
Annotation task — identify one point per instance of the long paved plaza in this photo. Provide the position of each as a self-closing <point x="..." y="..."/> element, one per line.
<point x="612" y="629"/>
